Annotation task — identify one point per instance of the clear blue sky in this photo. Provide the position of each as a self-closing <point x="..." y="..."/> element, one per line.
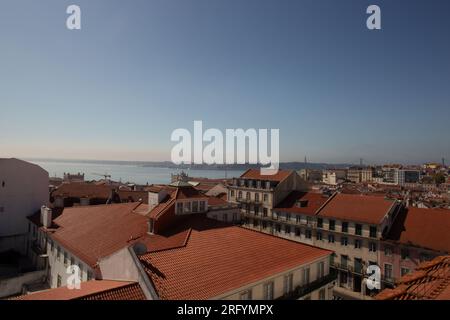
<point x="140" y="69"/>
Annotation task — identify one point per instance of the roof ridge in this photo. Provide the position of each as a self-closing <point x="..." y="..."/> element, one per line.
<point x="101" y="204"/>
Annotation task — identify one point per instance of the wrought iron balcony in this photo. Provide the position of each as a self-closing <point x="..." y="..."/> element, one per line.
<point x="302" y="290"/>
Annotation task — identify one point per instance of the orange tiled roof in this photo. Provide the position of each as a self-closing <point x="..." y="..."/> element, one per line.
<point x="218" y="257"/>
<point x="91" y="290"/>
<point x="93" y="232"/>
<point x="256" y="175"/>
<point x="430" y="281"/>
<point x="133" y="196"/>
<point x="82" y="190"/>
<point x="218" y="201"/>
<point x="363" y="208"/>
<point x="426" y="228"/>
<point x="188" y="193"/>
<point x="314" y="202"/>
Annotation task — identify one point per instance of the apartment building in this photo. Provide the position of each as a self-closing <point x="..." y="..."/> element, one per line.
<point x="172" y="249"/>
<point x="353" y="226"/>
<point x="399" y="176"/>
<point x="350" y="225"/>
<point x="258" y="194"/>
<point x="417" y="235"/>
<point x="23" y="190"/>
<point x="360" y="174"/>
<point x="333" y="177"/>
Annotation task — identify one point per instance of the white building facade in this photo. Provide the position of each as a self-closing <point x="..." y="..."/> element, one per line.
<point x="24" y="188"/>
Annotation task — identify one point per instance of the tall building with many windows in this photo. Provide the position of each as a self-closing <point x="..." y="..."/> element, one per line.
<point x="258" y="194"/>
<point x="350" y="225"/>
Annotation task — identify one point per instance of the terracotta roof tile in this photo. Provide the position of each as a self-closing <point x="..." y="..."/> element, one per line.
<point x="82" y="190"/>
<point x="426" y="228"/>
<point x="313" y="200"/>
<point x="93" y="232"/>
<point x="256" y="175"/>
<point x="219" y="257"/>
<point x="91" y="290"/>
<point x="363" y="208"/>
<point x="133" y="196"/>
<point x="431" y="281"/>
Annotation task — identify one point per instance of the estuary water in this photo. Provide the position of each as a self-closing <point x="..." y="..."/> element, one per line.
<point x="125" y="172"/>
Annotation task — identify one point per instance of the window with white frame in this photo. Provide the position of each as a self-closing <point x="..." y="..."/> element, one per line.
<point x="268" y="291"/>
<point x="306" y="276"/>
<point x="187" y="207"/>
<point x="320" y="269"/>
<point x="195" y="206"/>
<point x="288" y="283"/>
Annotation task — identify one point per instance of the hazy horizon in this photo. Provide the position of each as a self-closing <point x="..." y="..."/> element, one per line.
<point x="161" y="161"/>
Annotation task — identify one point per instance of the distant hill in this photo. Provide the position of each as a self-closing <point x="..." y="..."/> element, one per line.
<point x="168" y="164"/>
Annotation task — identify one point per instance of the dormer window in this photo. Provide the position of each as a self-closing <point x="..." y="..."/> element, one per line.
<point x="187" y="207"/>
<point x="267" y="184"/>
<point x="302" y="203"/>
<point x="258" y="184"/>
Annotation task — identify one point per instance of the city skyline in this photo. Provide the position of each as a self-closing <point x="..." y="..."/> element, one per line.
<point x="118" y="87"/>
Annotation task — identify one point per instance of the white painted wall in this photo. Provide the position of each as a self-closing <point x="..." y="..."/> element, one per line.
<point x="23" y="190"/>
<point x="119" y="266"/>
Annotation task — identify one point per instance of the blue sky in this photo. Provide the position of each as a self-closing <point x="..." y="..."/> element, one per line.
<point x="140" y="69"/>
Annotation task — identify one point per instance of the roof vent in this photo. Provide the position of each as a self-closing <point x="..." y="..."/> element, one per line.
<point x="139" y="248"/>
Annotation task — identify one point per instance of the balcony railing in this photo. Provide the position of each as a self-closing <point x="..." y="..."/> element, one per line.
<point x="302" y="290"/>
<point x="245" y="200"/>
<point x="350" y="268"/>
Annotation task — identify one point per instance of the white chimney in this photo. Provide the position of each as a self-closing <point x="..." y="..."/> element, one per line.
<point x="46" y="216"/>
<point x="155" y="198"/>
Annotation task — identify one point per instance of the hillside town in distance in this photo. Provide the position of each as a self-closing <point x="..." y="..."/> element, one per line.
<point x="304" y="234"/>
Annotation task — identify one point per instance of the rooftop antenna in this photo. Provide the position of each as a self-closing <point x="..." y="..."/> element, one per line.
<point x="361" y="162"/>
<point x="443" y="162"/>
